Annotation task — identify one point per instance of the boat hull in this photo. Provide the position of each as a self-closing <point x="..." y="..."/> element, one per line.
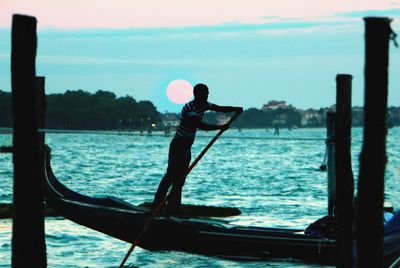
<point x="124" y="221"/>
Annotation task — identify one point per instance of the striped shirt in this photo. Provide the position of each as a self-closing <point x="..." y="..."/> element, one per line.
<point x="185" y="130"/>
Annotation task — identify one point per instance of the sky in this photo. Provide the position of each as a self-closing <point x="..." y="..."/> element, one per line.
<point x="248" y="52"/>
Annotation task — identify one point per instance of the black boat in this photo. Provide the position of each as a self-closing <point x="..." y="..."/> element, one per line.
<point x="119" y="219"/>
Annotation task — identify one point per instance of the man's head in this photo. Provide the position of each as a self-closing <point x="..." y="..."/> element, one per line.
<point x="200" y="92"/>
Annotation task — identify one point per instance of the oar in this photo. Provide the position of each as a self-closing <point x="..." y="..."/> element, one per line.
<point x="209" y="145"/>
<point x="172" y="192"/>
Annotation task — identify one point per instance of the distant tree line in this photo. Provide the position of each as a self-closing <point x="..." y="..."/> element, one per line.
<point x="83" y="110"/>
<point x="5" y="109"/>
<point x="292" y="117"/>
<point x="104" y="111"/>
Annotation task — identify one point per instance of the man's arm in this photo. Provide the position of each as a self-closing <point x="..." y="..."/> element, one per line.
<point x="205" y="126"/>
<point x="196" y="122"/>
<point x="225" y="109"/>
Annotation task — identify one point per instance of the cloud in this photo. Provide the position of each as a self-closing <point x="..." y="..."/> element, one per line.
<point x="73" y="60"/>
<point x="78" y="14"/>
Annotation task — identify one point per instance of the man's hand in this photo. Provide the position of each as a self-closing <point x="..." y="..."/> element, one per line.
<point x="239" y="110"/>
<point x="224" y="127"/>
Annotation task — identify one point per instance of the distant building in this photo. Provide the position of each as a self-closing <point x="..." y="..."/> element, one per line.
<point x="309" y="117"/>
<point x="170" y="119"/>
<point x="313" y="117"/>
<point x="357" y="114"/>
<point x="273" y="105"/>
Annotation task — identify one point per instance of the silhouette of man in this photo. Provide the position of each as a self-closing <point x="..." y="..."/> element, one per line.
<point x="179" y="151"/>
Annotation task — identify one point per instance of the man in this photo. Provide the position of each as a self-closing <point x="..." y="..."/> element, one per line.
<point x="179" y="151"/>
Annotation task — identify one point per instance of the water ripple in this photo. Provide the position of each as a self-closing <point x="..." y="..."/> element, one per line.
<point x="274" y="183"/>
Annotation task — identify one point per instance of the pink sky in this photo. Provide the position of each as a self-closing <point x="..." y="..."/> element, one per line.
<point x="77" y="14"/>
<point x="142" y="63"/>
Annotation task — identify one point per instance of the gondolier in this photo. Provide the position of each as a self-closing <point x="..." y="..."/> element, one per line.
<point x="180" y="148"/>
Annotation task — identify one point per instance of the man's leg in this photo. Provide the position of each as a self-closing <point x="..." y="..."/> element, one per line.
<point x="166" y="181"/>
<point x="161" y="191"/>
<point x="175" y="202"/>
<point x="175" y="159"/>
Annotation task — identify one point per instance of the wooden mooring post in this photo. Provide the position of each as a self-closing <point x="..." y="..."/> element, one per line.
<point x="40" y="109"/>
<point x="373" y="153"/>
<point x="344" y="173"/>
<point x="330" y="159"/>
<point x="28" y="240"/>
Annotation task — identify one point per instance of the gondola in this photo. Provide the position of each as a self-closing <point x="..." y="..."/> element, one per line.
<point x="208" y="236"/>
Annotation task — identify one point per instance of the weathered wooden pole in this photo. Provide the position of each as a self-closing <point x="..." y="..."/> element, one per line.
<point x="344" y="173"/>
<point x="373" y="153"/>
<point x="330" y="151"/>
<point x="40" y="109"/>
<point x="28" y="242"/>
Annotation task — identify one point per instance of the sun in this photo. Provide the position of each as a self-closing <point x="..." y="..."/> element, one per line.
<point x="179" y="91"/>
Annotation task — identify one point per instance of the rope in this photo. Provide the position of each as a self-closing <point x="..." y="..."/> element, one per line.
<point x="163" y="135"/>
<point x="393" y="35"/>
<point x="6" y="149"/>
<point x="322" y="167"/>
<point x="273" y="138"/>
<point x="127" y="133"/>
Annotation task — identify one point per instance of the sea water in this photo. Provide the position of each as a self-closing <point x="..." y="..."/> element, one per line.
<point x="274" y="180"/>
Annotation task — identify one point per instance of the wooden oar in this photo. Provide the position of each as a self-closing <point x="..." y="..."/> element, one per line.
<point x="172" y="192"/>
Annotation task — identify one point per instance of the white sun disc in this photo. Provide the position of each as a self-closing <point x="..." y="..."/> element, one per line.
<point x="179" y="91"/>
